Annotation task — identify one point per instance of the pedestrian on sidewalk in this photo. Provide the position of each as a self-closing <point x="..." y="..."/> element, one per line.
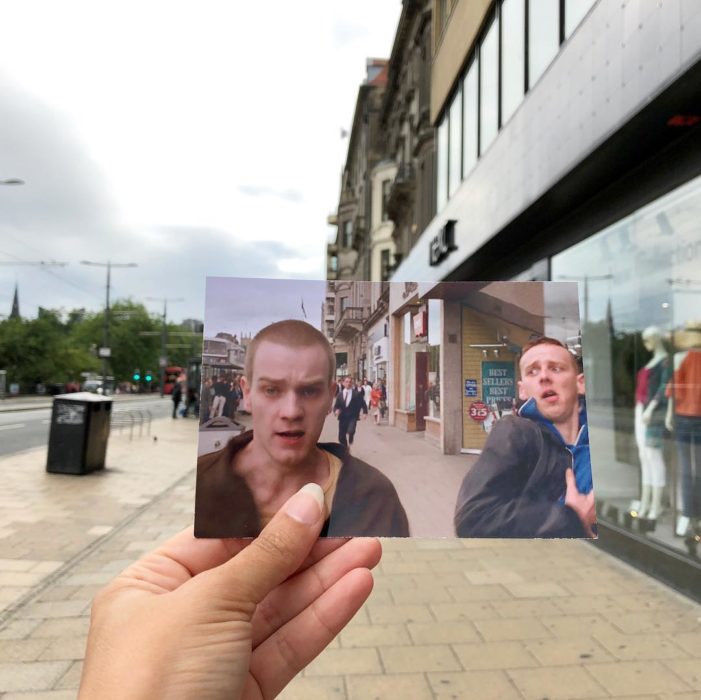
<point x="177" y="397"/>
<point x="349" y="403"/>
<point x="288" y="385"/>
<point x="383" y="399"/>
<point x="221" y="390"/>
<point x="212" y="617"/>
<point x="533" y="478"/>
<point x="375" y="398"/>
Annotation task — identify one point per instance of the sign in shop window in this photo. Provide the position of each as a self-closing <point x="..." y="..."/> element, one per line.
<point x="498" y="384"/>
<point x="470" y="388"/>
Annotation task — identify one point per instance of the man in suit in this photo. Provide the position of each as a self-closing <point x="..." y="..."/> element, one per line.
<point x="347" y="407"/>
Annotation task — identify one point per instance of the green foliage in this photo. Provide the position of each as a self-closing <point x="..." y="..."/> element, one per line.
<point x="49" y="349"/>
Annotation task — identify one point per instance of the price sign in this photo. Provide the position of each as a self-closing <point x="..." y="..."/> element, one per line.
<point x="478" y="411"/>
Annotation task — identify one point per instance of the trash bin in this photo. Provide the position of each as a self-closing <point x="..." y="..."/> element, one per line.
<point x="80" y="426"/>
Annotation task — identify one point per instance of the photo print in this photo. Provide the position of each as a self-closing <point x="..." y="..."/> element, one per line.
<point x="422" y="409"/>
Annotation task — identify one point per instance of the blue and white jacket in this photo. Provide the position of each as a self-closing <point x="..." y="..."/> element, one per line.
<point x="517" y="486"/>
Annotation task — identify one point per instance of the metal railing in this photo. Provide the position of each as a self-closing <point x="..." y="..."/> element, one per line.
<point x="130" y="418"/>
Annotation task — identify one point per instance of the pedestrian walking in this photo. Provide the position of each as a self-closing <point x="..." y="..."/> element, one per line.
<point x="177" y="397"/>
<point x="347" y="407"/>
<point x="220" y="391"/>
<point x="375" y="398"/>
<point x="383" y="399"/>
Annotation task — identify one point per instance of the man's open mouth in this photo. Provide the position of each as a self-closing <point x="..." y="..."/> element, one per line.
<point x="550" y="394"/>
<point x="291" y="434"/>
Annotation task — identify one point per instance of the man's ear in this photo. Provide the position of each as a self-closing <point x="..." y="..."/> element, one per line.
<point x="522" y="392"/>
<point x="580" y="384"/>
<point x="245" y="387"/>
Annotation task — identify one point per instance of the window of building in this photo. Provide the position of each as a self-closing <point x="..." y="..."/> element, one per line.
<point x="384" y="264"/>
<point x="513" y="39"/>
<point x="519" y="42"/>
<point x="434" y="356"/>
<point x="333" y="263"/>
<point x="455" y="144"/>
<point x="344" y="303"/>
<point x="442" y="164"/>
<point x="543" y="36"/>
<point x="347" y="234"/>
<point x="489" y="90"/>
<point x="639" y="292"/>
<point x="574" y="14"/>
<point x="386" y="185"/>
<point x="469" y="124"/>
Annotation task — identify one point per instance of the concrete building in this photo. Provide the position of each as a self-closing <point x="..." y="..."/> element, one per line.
<point x="569" y="148"/>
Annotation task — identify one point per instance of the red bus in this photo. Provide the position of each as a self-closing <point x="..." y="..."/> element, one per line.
<point x="171" y="376"/>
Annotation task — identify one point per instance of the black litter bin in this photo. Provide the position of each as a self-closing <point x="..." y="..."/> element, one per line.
<point x="80" y="426"/>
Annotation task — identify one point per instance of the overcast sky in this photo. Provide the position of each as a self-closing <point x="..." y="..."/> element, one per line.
<point x="244" y="305"/>
<point x="192" y="139"/>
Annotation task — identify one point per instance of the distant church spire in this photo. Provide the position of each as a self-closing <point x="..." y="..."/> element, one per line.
<point x="15" y="304"/>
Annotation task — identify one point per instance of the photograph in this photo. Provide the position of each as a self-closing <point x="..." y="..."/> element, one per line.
<point x="452" y="409"/>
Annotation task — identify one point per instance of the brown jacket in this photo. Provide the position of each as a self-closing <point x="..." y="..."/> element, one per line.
<point x="365" y="503"/>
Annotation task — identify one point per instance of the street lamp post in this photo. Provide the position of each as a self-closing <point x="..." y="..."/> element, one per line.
<point x="105" y="350"/>
<point x="163" y="360"/>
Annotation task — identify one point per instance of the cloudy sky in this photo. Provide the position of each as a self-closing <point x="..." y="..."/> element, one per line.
<point x="244" y="306"/>
<point x="191" y="139"/>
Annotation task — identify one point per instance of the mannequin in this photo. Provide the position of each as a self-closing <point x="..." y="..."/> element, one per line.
<point x="684" y="419"/>
<point x="650" y="404"/>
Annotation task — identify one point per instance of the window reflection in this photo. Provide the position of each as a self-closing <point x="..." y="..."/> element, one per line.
<point x="512" y="56"/>
<point x="469" y="129"/>
<point x="442" y="164"/>
<point x="455" y="156"/>
<point x="574" y="13"/>
<point x="640" y="294"/>
<point x="489" y="64"/>
<point x="543" y="36"/>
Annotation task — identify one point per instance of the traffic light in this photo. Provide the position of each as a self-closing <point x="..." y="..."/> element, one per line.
<point x="136" y="376"/>
<point x="148" y="376"/>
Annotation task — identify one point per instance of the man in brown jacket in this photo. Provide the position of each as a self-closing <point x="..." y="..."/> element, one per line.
<point x="288" y="386"/>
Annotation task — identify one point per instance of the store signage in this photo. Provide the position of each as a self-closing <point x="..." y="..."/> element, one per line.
<point x="498" y="383"/>
<point x="443" y="244"/>
<point x="379" y="351"/>
<point x="420" y="324"/>
<point x="470" y="387"/>
<point x="478" y="411"/>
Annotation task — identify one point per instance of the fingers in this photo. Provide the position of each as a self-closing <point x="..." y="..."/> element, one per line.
<point x="277" y="660"/>
<point x="293" y="596"/>
<point x="275" y="554"/>
<point x="177" y="561"/>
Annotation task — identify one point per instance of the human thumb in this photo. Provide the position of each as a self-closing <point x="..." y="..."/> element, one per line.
<point x="278" y="551"/>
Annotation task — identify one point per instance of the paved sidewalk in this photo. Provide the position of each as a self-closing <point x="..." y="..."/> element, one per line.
<point x="447" y="619"/>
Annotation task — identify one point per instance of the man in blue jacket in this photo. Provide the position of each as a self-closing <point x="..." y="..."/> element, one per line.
<point x="533" y="478"/>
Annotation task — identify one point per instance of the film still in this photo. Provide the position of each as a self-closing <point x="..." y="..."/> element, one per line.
<point x="452" y="409"/>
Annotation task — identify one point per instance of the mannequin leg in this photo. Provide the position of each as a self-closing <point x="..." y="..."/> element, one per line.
<point x="641" y="506"/>
<point x="645" y="499"/>
<point x="657" y="479"/>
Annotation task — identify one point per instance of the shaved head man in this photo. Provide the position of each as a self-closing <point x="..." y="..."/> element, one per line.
<point x="288" y="387"/>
